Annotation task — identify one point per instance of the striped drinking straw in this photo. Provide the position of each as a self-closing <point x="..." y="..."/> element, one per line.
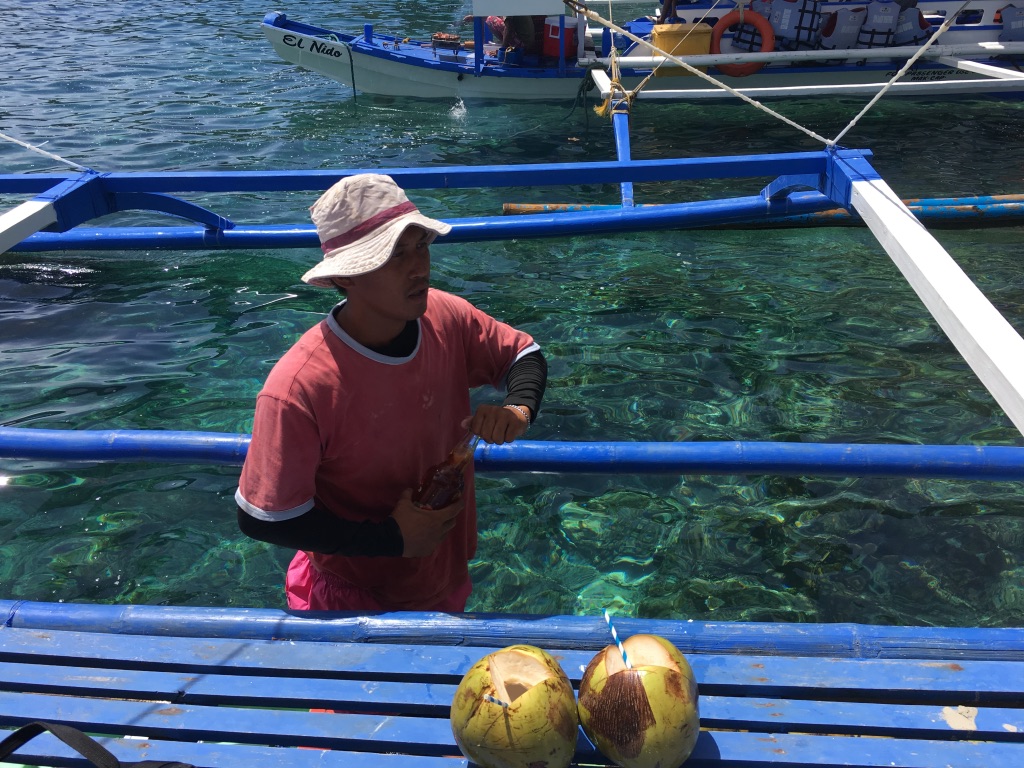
<point x="615" y="637"/>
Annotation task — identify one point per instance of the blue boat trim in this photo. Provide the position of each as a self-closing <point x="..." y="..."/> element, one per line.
<point x="852" y="641"/>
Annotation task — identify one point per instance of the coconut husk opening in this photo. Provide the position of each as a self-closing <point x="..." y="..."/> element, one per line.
<point x="514" y="673"/>
<point x="643" y="651"/>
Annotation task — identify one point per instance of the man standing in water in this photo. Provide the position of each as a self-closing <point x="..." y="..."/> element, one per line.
<point x="365" y="402"/>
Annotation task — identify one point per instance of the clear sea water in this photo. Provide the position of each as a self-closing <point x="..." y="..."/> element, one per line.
<point x="806" y="335"/>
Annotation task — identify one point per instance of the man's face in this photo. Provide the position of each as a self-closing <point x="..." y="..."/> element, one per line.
<point x="398" y="290"/>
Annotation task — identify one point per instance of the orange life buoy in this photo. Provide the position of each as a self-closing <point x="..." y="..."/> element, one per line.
<point x="760" y="23"/>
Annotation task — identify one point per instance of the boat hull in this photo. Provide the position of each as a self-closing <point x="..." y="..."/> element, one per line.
<point x="387" y="66"/>
<point x="390" y="72"/>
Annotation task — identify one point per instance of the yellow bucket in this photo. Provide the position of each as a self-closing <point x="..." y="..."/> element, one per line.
<point x="681" y="40"/>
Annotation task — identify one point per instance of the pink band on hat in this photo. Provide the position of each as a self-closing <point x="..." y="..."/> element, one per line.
<point x="366" y="227"/>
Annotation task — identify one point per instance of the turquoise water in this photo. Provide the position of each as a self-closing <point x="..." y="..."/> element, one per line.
<point x="786" y="335"/>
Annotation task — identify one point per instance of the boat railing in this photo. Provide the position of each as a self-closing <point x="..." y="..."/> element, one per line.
<point x="966" y="462"/>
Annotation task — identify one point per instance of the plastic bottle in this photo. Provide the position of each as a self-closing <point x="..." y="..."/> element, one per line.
<point x="443" y="483"/>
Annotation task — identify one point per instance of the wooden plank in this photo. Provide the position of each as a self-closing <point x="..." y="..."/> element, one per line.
<point x="300" y="691"/>
<point x="965" y="682"/>
<point x="334" y="660"/>
<point x="425" y="699"/>
<point x="735" y="749"/>
<point x="714" y="748"/>
<point x="908" y="721"/>
<point x="269" y="727"/>
<point x="986" y="341"/>
<point x="43" y="749"/>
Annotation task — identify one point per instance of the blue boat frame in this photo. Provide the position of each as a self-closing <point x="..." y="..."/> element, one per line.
<point x="829" y="175"/>
<point x="83" y="196"/>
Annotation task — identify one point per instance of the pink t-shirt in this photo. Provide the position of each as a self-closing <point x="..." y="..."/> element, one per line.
<point x="350" y="429"/>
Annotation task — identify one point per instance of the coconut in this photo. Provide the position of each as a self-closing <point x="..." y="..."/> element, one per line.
<point x="642" y="717"/>
<point x="515" y="708"/>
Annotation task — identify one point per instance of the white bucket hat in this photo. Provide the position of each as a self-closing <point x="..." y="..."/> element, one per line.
<point x="359" y="221"/>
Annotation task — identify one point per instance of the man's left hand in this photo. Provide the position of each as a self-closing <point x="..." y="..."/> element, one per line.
<point x="498" y="424"/>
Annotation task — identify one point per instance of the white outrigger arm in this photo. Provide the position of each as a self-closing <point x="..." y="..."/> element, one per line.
<point x="984" y="338"/>
<point x="27" y="219"/>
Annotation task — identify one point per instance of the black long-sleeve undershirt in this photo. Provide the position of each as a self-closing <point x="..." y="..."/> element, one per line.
<point x="526" y="381"/>
<point x="320" y="531"/>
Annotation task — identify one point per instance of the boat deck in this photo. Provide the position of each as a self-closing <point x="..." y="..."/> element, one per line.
<point x="226" y="688"/>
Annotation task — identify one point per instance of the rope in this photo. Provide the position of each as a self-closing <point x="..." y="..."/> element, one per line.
<point x="913" y="59"/>
<point x="616" y="86"/>
<point x="9" y="622"/>
<point x="43" y="152"/>
<point x="603" y="110"/>
<point x="579" y="8"/>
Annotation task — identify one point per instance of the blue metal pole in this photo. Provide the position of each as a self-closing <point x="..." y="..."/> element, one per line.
<point x="561" y="44"/>
<point x="631" y="218"/>
<point x="704" y="458"/>
<point x="478" y="44"/>
<point x="620" y="127"/>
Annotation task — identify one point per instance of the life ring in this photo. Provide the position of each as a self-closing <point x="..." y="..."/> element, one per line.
<point x="732" y="18"/>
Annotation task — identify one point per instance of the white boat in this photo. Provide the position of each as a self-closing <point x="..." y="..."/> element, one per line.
<point x="969" y="49"/>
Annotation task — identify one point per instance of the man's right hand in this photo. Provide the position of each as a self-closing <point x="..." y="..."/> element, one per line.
<point x="424" y="529"/>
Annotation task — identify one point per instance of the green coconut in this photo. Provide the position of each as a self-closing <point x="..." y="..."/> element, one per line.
<point x="644" y="717"/>
<point x="515" y="708"/>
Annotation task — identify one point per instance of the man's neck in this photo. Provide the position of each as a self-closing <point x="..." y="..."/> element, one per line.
<point x="403" y="344"/>
<point x="397" y="340"/>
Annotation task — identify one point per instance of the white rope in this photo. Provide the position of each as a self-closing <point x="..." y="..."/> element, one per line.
<point x="913" y="59"/>
<point x="753" y="102"/>
<point x="43" y="152"/>
<point x="694" y="71"/>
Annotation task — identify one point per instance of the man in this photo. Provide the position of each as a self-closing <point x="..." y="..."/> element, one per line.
<point x="511" y="31"/>
<point x="356" y="412"/>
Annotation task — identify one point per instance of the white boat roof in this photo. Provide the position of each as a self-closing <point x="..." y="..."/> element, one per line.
<point x="519" y="8"/>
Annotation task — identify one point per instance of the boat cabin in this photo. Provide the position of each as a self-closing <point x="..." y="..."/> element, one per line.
<point x="551" y="34"/>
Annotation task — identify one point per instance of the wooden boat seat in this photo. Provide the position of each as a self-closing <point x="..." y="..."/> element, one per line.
<point x="771" y="694"/>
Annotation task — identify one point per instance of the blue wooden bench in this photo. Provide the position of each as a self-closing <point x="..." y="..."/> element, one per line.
<point x="237" y="688"/>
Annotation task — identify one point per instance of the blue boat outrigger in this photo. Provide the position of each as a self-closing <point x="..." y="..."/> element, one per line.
<point x="227" y="688"/>
<point x="804" y="183"/>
